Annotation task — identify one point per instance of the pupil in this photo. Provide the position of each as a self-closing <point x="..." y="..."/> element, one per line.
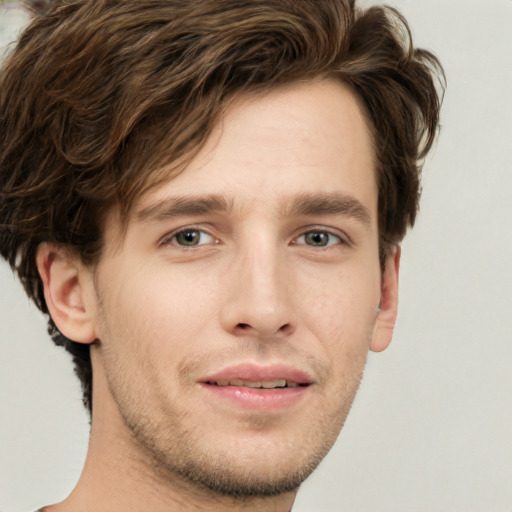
<point x="317" y="238"/>
<point x="188" y="237"/>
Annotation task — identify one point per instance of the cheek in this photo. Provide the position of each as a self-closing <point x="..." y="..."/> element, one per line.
<point x="343" y="300"/>
<point x="157" y="310"/>
<point x="340" y="313"/>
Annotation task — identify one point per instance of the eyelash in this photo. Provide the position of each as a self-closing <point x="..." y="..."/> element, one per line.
<point x="319" y="231"/>
<point x="171" y="238"/>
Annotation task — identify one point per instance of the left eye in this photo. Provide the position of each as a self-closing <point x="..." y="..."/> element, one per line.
<point x="191" y="238"/>
<point x="319" y="239"/>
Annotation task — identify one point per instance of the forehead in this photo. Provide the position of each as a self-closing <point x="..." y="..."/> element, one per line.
<point x="300" y="138"/>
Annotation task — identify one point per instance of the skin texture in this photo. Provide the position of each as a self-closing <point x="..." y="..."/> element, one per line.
<point x="290" y="168"/>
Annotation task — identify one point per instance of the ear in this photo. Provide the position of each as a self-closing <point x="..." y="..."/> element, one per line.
<point x="388" y="307"/>
<point x="65" y="281"/>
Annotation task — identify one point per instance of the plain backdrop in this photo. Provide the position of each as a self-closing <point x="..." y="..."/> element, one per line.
<point x="431" y="428"/>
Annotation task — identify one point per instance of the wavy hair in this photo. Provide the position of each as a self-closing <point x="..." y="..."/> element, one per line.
<point x="100" y="95"/>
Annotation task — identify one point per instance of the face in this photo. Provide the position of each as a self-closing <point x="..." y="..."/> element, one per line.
<point x="234" y="316"/>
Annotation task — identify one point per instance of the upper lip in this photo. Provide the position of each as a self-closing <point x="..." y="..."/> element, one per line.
<point x="249" y="372"/>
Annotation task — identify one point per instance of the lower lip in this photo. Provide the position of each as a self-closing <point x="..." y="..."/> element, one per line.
<point x="258" y="399"/>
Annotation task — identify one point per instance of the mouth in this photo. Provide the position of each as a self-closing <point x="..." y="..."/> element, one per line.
<point x="269" y="384"/>
<point x="258" y="387"/>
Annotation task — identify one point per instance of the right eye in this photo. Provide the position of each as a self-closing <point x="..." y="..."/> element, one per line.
<point x="189" y="237"/>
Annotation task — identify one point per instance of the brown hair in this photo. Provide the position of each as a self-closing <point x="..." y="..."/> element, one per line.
<point x="99" y="95"/>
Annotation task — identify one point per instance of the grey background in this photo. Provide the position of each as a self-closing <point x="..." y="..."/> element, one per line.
<point x="431" y="429"/>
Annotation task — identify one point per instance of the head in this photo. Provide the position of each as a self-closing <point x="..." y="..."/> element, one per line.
<point x="110" y="108"/>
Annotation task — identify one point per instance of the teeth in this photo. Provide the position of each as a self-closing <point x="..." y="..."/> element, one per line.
<point x="270" y="384"/>
<point x="274" y="384"/>
<point x="255" y="384"/>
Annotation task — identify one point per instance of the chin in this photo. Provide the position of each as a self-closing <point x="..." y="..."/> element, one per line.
<point x="257" y="465"/>
<point x="244" y="481"/>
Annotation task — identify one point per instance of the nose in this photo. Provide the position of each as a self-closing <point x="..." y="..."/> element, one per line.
<point x="259" y="293"/>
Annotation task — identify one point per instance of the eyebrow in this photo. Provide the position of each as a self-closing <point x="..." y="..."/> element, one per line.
<point x="329" y="204"/>
<point x="306" y="204"/>
<point x="183" y="205"/>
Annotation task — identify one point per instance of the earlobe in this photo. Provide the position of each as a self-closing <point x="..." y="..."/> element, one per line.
<point x="63" y="279"/>
<point x="388" y="308"/>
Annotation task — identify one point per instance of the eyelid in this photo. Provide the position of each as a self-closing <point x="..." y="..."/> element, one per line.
<point x="343" y="237"/>
<point x="167" y="239"/>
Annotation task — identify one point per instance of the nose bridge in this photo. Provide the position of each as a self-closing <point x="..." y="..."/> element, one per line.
<point x="259" y="300"/>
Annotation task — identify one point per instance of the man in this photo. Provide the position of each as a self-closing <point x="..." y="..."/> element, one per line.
<point x="207" y="199"/>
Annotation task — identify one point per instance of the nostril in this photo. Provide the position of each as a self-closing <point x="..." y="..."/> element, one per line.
<point x="245" y="328"/>
<point x="286" y="328"/>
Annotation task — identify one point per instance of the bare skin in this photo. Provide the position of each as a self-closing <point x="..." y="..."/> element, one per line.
<point x="256" y="265"/>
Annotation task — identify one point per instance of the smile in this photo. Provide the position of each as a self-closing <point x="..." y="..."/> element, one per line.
<point x="255" y="387"/>
<point x="270" y="384"/>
